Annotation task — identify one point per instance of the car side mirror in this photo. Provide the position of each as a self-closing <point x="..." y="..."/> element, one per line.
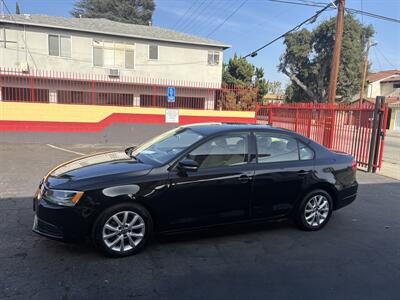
<point x="188" y="165"/>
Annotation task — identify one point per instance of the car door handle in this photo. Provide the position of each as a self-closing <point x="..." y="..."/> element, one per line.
<point x="302" y="172"/>
<point x="244" y="178"/>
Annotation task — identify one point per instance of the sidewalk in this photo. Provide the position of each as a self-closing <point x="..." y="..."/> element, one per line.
<point x="391" y="155"/>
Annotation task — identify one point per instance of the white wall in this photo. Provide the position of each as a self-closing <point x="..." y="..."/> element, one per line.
<point x="374" y="89"/>
<point x="379" y="88"/>
<point x="388" y="90"/>
<point x="176" y="61"/>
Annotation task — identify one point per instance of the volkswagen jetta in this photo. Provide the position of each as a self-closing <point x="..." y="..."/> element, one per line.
<point x="193" y="177"/>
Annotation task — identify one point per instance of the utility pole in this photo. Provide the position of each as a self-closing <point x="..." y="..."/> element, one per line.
<point x="364" y="75"/>
<point x="336" y="52"/>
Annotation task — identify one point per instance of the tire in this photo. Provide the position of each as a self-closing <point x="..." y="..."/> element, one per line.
<point x="319" y="210"/>
<point x="122" y="230"/>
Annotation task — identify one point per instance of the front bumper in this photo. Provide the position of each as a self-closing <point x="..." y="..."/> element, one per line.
<point x="57" y="222"/>
<point x="46" y="229"/>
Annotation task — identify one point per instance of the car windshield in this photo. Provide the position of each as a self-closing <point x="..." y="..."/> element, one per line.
<point x="166" y="146"/>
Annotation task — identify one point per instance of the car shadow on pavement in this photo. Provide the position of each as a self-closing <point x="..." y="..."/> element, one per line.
<point x="225" y="230"/>
<point x="17" y="221"/>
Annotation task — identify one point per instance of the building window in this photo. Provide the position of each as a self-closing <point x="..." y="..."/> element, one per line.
<point x="396" y="85"/>
<point x="213" y="58"/>
<point x="113" y="54"/>
<point x="59" y="45"/>
<point x="153" y="52"/>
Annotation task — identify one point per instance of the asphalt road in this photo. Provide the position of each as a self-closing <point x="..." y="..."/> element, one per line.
<point x="356" y="256"/>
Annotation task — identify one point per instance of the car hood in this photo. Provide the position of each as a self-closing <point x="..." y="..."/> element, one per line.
<point x="95" y="169"/>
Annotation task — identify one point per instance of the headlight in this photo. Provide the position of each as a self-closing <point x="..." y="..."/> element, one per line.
<point x="63" y="198"/>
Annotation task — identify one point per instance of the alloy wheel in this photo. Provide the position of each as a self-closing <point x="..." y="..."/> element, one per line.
<point x="316" y="210"/>
<point x="123" y="231"/>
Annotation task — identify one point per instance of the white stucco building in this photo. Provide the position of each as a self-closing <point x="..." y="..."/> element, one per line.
<point x="384" y="83"/>
<point x="387" y="83"/>
<point x="98" y="61"/>
<point x="100" y="46"/>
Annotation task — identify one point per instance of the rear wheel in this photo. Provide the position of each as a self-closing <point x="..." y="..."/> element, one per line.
<point x="314" y="210"/>
<point x="122" y="230"/>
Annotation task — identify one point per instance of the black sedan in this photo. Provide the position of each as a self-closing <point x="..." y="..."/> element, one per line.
<point x="193" y="177"/>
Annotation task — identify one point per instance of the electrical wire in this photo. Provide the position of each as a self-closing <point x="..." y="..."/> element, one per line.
<point x="309" y="20"/>
<point x="350" y="10"/>
<point x="385" y="58"/>
<point x="227" y="18"/>
<point x="193" y="23"/>
<point x="377" y="58"/>
<point x="185" y="14"/>
<point x="208" y="23"/>
<point x="188" y="19"/>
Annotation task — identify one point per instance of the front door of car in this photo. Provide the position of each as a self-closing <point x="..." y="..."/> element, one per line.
<point x="284" y="166"/>
<point x="219" y="191"/>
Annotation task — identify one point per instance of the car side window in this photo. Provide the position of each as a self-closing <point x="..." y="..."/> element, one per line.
<point x="305" y="152"/>
<point x="276" y="148"/>
<point x="222" y="151"/>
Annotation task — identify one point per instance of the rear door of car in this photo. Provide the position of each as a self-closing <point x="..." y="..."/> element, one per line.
<point x="283" y="169"/>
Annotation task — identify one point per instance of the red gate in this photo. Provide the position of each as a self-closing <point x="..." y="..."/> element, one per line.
<point x="345" y="127"/>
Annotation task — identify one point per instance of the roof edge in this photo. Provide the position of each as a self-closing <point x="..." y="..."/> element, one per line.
<point x="223" y="46"/>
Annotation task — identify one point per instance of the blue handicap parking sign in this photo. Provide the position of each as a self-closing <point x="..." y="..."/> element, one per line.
<point x="171" y="94"/>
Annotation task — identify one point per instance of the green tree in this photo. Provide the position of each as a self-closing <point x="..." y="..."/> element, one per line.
<point x="307" y="60"/>
<point x="250" y="79"/>
<point x="17" y="10"/>
<point x="126" y="11"/>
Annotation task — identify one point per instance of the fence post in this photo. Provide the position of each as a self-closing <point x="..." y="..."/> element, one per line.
<point x="256" y="112"/>
<point x="1" y="84"/>
<point x="93" y="99"/>
<point x="383" y="135"/>
<point x="154" y="95"/>
<point x="297" y="120"/>
<point x="372" y="146"/>
<point x="270" y="115"/>
<point x="32" y="88"/>
<point x="332" y="128"/>
<point x="379" y="134"/>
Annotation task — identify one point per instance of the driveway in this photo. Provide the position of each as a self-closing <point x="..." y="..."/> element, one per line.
<point x="391" y="155"/>
<point x="356" y="256"/>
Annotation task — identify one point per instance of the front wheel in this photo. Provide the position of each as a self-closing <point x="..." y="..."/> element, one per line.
<point x="314" y="210"/>
<point x="122" y="230"/>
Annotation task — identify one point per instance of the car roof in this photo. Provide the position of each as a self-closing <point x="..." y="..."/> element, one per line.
<point x="214" y="128"/>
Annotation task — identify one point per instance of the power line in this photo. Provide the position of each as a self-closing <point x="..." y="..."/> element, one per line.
<point x="184" y="15"/>
<point x="350" y="10"/>
<point x="187" y="21"/>
<point x="227" y="18"/>
<point x="208" y="20"/>
<point x="309" y="20"/>
<point x="385" y="58"/>
<point x="372" y="15"/>
<point x="198" y="15"/>
<point x="308" y="3"/>
<point x="377" y="58"/>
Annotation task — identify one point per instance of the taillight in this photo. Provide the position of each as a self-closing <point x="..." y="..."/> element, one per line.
<point x="354" y="165"/>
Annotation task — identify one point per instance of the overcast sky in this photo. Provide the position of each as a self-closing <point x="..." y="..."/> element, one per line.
<point x="254" y="24"/>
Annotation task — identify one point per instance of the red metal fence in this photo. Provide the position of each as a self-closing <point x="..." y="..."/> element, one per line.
<point x="92" y="89"/>
<point x="345" y="128"/>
